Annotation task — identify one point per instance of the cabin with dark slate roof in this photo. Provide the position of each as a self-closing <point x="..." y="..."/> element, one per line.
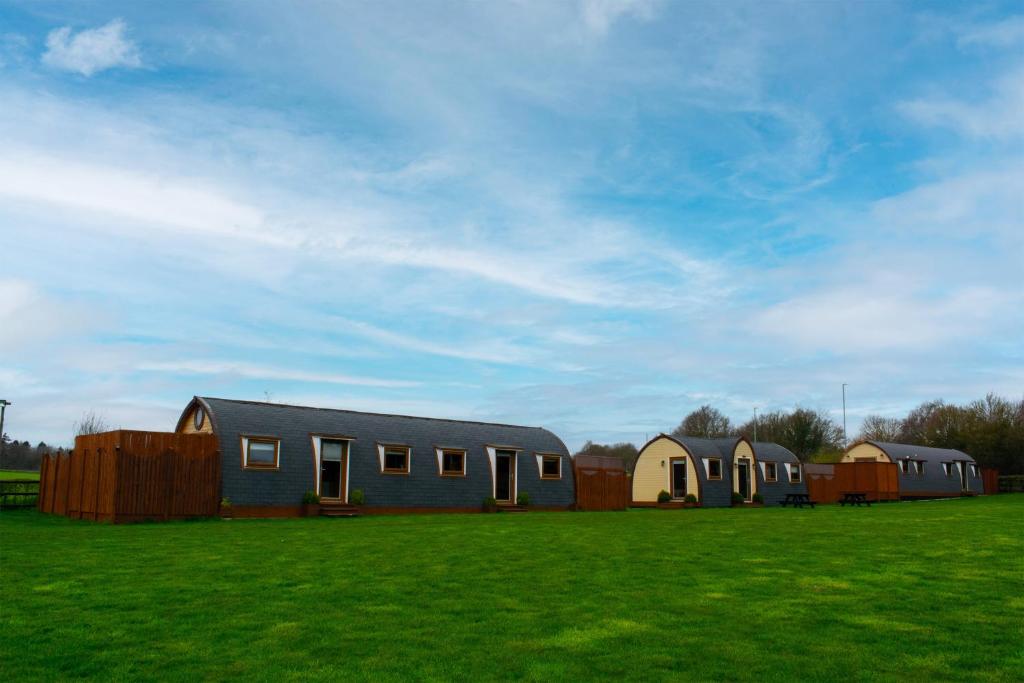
<point x="272" y="454"/>
<point x="924" y="472"/>
<point x="713" y="469"/>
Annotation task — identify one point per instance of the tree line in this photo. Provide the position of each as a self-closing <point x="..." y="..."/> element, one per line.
<point x="22" y="455"/>
<point x="991" y="430"/>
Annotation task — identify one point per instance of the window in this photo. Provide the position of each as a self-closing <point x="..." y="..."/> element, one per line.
<point x="771" y="471"/>
<point x="551" y="467"/>
<point x="947" y="467"/>
<point x="919" y="466"/>
<point x="396" y="460"/>
<point x="714" y="468"/>
<point x="260" y="453"/>
<point x="453" y="463"/>
<point x="794" y="474"/>
<point x="974" y="471"/>
<point x="198" y="418"/>
<point x="905" y="466"/>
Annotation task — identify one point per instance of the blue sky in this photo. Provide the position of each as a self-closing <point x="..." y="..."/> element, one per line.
<point x="593" y="215"/>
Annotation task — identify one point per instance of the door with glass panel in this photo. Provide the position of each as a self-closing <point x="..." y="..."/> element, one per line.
<point x="678" y="478"/>
<point x="332" y="468"/>
<point x="743" y="478"/>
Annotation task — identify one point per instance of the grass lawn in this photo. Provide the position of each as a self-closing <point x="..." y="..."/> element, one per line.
<point x="921" y="591"/>
<point x="6" y="475"/>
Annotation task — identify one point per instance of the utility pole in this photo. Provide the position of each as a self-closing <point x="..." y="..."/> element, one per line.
<point x="755" y="424"/>
<point x="3" y="407"/>
<point x="846" y="441"/>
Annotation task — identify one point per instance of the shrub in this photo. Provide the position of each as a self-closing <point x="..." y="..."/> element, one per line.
<point x="356" y="497"/>
<point x="310" y="498"/>
<point x="690" y="498"/>
<point x="523" y="498"/>
<point x="758" y="498"/>
<point x="737" y="498"/>
<point x="225" y="502"/>
<point x="664" y="496"/>
<point x="490" y="503"/>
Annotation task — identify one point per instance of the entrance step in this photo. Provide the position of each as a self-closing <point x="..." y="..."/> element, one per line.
<point x="338" y="510"/>
<point x="513" y="508"/>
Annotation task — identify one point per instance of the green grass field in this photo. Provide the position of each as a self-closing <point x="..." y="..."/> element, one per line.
<point x="921" y="591"/>
<point x="6" y="475"/>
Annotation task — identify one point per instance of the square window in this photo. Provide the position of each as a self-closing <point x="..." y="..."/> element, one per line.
<point x="551" y="467"/>
<point x="905" y="466"/>
<point x="261" y="453"/>
<point x="771" y="471"/>
<point x="396" y="459"/>
<point x="453" y="463"/>
<point x="974" y="471"/>
<point x="947" y="467"/>
<point x="794" y="474"/>
<point x="714" y="468"/>
<point x="919" y="466"/>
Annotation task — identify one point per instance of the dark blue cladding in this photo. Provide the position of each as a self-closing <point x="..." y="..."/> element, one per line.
<point x="423" y="487"/>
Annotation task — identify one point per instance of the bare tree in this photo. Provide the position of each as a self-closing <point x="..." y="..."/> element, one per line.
<point x="624" y="451"/>
<point x="91" y="423"/>
<point x="878" y="428"/>
<point x="705" y="422"/>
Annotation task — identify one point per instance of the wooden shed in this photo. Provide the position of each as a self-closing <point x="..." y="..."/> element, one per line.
<point x="128" y="476"/>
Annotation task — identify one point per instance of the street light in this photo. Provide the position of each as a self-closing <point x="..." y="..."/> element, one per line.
<point x="3" y="407"/>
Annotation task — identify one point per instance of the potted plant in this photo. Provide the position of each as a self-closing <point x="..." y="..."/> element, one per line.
<point x="357" y="497"/>
<point x="523" y="499"/>
<point x="310" y="504"/>
<point x="664" y="497"/>
<point x="758" y="499"/>
<point x="490" y="504"/>
<point x="225" y="508"/>
<point x="690" y="501"/>
<point x="738" y="499"/>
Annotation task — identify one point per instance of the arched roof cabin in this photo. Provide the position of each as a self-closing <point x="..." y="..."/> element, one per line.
<point x="271" y="454"/>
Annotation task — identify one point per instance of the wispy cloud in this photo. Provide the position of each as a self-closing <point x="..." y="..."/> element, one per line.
<point x="262" y="372"/>
<point x="92" y="50"/>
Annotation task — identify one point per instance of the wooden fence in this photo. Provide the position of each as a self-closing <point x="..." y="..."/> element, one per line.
<point x="990" y="479"/>
<point x="827" y="483"/>
<point x="127" y="476"/>
<point x="601" y="483"/>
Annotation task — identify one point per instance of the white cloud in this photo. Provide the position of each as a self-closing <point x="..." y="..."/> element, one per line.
<point x="92" y="50"/>
<point x="600" y="15"/>
<point x="255" y="371"/>
<point x="1000" y="117"/>
<point x="28" y="317"/>
<point x="1001" y="34"/>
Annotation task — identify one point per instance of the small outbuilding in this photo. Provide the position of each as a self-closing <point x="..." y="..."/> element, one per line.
<point x="923" y="472"/>
<point x="713" y="469"/>
<point x="271" y="454"/>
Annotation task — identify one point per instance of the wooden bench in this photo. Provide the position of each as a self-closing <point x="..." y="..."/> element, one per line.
<point x="857" y="498"/>
<point x="797" y="500"/>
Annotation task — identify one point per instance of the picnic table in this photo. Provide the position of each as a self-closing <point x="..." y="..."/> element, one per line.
<point x="857" y="498"/>
<point x="797" y="500"/>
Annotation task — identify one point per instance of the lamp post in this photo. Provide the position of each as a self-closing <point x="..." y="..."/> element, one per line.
<point x="3" y="407"/>
<point x="846" y="442"/>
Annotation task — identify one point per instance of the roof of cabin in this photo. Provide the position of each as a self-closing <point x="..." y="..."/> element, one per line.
<point x="902" y="451"/>
<point x="767" y="450"/>
<point x="724" y="448"/>
<point x="258" y="417"/>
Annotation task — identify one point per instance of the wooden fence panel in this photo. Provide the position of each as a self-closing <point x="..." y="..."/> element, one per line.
<point x="128" y="476"/>
<point x="601" y="484"/>
<point x="44" y="466"/>
<point x="990" y="477"/>
<point x="827" y="483"/>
